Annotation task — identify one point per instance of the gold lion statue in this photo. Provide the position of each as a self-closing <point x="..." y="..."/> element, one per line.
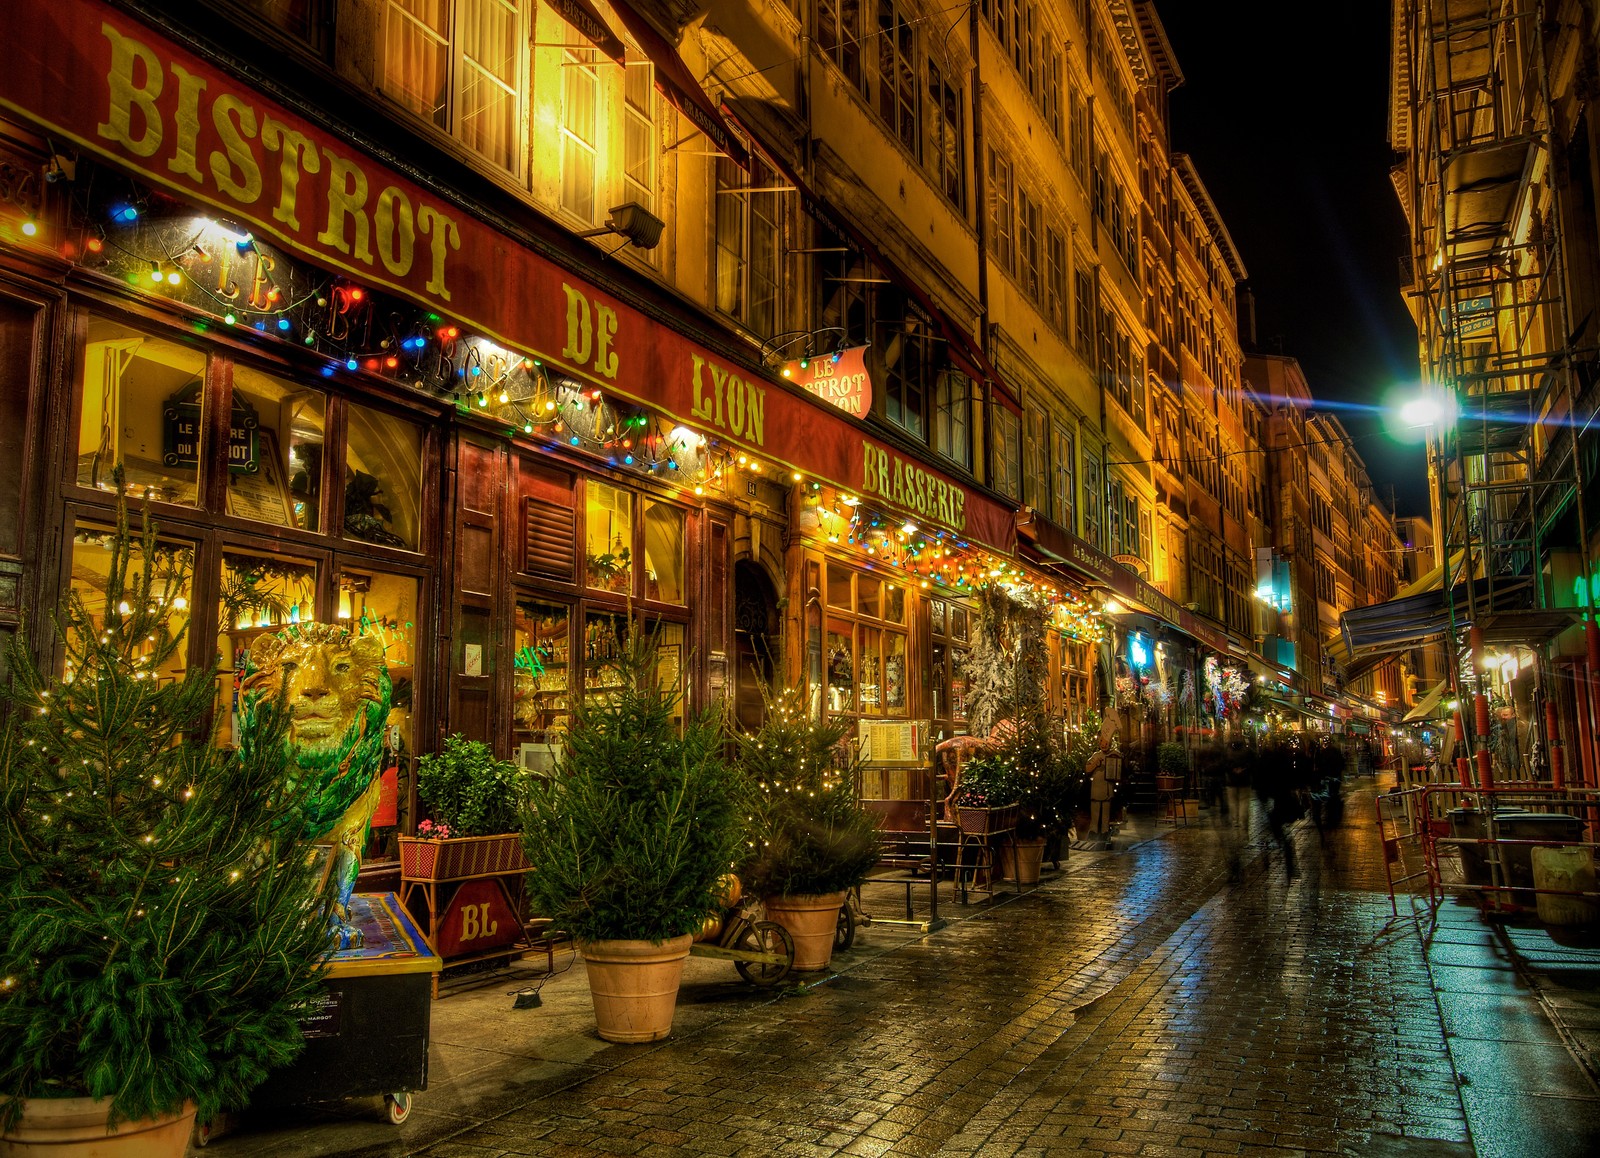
<point x="338" y="700"/>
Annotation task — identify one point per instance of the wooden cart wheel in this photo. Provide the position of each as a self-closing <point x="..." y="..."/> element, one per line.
<point x="202" y="1134"/>
<point x="844" y="934"/>
<point x="399" y="1106"/>
<point x="764" y="937"/>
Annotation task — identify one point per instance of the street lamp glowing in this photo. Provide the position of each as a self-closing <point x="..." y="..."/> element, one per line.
<point x="1421" y="412"/>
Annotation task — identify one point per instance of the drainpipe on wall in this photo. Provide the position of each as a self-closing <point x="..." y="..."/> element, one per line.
<point x="980" y="190"/>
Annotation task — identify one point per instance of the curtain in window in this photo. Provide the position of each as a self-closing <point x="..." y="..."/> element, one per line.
<point x="490" y="34"/>
<point x="416" y="57"/>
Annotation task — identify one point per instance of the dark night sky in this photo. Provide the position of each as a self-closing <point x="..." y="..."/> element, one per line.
<point x="1289" y="131"/>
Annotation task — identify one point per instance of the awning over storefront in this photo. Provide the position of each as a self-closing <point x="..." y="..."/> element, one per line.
<point x="1428" y="703"/>
<point x="1385" y="628"/>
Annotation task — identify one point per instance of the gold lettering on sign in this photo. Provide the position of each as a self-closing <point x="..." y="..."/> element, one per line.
<point x="911" y="488"/>
<point x="240" y="169"/>
<point x="590" y="329"/>
<point x="731" y="403"/>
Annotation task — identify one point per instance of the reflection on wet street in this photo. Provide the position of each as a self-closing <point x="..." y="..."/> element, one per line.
<point x="1166" y="1000"/>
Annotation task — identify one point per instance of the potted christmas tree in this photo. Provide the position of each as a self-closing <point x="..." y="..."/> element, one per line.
<point x="160" y="920"/>
<point x="811" y="840"/>
<point x="473" y="802"/>
<point x="629" y="840"/>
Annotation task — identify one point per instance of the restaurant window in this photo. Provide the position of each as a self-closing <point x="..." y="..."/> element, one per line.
<point x="664" y="579"/>
<point x="749" y="235"/>
<point x="259" y="593"/>
<point x="382" y="478"/>
<point x="580" y="118"/>
<point x="1093" y="501"/>
<point x="281" y="481"/>
<point x="608" y="535"/>
<point x="950" y="629"/>
<point x="173" y="581"/>
<point x="142" y="404"/>
<point x="639" y="135"/>
<point x="952" y="417"/>
<point x="1005" y="430"/>
<point x="541" y="663"/>
<point x="1035" y="454"/>
<point x="460" y="64"/>
<point x="1064" y="477"/>
<point x="865" y="644"/>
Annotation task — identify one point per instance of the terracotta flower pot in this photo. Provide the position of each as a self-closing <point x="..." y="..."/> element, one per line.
<point x="811" y="921"/>
<point x="1020" y="861"/>
<point x="634" y="985"/>
<point x="76" y="1128"/>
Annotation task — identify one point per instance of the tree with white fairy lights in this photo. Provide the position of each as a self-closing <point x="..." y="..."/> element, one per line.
<point x="160" y="920"/>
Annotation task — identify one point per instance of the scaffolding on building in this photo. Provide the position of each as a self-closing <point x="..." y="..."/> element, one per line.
<point x="1503" y="358"/>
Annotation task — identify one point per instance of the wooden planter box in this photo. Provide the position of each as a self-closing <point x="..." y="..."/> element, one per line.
<point x="460" y="857"/>
<point x="982" y="821"/>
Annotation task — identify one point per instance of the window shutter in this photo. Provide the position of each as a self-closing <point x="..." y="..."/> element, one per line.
<point x="550" y="538"/>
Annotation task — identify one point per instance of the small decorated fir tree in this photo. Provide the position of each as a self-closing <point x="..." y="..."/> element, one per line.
<point x="809" y="835"/>
<point x="632" y="834"/>
<point x="160" y="921"/>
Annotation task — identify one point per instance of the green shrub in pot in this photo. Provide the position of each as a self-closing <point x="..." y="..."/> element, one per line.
<point x="467" y="789"/>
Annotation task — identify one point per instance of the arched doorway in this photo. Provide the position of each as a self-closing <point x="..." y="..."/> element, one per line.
<point x="755" y="633"/>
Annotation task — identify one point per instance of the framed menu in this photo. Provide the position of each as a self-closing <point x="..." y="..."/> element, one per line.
<point x="263" y="495"/>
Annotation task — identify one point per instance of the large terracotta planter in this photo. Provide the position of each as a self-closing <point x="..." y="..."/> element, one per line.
<point x="634" y="985"/>
<point x="811" y="922"/>
<point x="1020" y="860"/>
<point x="460" y="857"/>
<point x="76" y="1128"/>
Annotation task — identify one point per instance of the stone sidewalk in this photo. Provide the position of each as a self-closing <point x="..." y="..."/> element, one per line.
<point x="1144" y="1001"/>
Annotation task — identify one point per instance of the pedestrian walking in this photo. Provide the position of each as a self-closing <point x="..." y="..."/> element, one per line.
<point x="1275" y="772"/>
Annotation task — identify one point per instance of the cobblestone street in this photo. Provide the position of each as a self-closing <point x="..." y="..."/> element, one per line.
<point x="1142" y="1002"/>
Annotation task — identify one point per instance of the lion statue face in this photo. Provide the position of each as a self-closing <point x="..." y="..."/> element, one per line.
<point x="335" y="678"/>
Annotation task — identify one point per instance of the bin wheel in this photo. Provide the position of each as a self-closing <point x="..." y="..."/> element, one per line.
<point x="764" y="937"/>
<point x="844" y="933"/>
<point x="399" y="1106"/>
<point x="202" y="1134"/>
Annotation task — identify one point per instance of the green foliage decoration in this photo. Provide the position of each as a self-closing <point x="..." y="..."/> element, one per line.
<point x="630" y="835"/>
<point x="466" y="788"/>
<point x="160" y="919"/>
<point x="809" y="834"/>
<point x="990" y="780"/>
<point x="1172" y="759"/>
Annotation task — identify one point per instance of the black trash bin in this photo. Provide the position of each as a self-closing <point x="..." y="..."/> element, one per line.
<point x="1467" y="824"/>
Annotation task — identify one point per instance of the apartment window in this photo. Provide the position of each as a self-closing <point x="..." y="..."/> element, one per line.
<point x="1005" y="451"/>
<point x="1137" y="387"/>
<point x="580" y="104"/>
<point x="639" y="134"/>
<point x="1114" y="515"/>
<point x="1055" y="279"/>
<point x="1093" y="500"/>
<point x="952" y="417"/>
<point x="1065" y="504"/>
<point x="749" y="234"/>
<point x="1002" y="209"/>
<point x="897" y="73"/>
<point x="1083" y="312"/>
<point x="1120" y="369"/>
<point x="1028" y="245"/>
<point x="1050" y="86"/>
<point x="305" y="20"/>
<point x="1035" y="457"/>
<point x="1144" y="532"/>
<point x="946" y="152"/>
<point x="908" y="358"/>
<point x="460" y="64"/>
<point x="841" y="28"/>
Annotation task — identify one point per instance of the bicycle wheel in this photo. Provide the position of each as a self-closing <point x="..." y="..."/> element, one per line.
<point x="844" y="934"/>
<point x="765" y="937"/>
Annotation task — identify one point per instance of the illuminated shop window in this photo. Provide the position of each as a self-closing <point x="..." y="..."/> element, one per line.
<point x="663" y="552"/>
<point x="142" y="402"/>
<point x="865" y="654"/>
<point x="276" y="475"/>
<point x="608" y="536"/>
<point x="258" y="594"/>
<point x="377" y="603"/>
<point x="172" y="581"/>
<point x="542" y="665"/>
<point x="949" y="628"/>
<point x="382" y="479"/>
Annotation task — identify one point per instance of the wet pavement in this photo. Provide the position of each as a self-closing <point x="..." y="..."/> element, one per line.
<point x="1165" y="998"/>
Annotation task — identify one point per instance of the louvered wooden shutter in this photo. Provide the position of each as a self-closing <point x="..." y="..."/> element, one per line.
<point x="549" y="540"/>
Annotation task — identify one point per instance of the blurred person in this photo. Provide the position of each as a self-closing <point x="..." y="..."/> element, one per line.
<point x="1276" y="771"/>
